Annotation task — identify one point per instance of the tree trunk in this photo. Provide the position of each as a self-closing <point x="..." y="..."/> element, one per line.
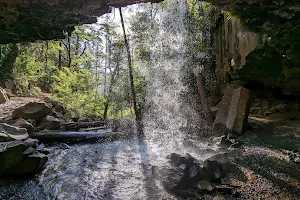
<point x="69" y="51"/>
<point x="59" y="55"/>
<point x="138" y="117"/>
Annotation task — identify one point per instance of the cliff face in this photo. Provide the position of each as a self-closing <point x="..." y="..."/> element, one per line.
<point x="30" y="20"/>
<point x="232" y="45"/>
<point x="263" y="48"/>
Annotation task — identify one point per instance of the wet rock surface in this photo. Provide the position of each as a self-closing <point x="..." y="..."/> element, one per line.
<point x="27" y="160"/>
<point x="189" y="178"/>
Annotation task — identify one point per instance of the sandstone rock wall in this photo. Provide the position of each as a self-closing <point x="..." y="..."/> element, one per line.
<point x="232" y="44"/>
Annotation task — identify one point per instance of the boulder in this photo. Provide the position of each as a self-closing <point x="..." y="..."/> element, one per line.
<point x="3" y="97"/>
<point x="59" y="107"/>
<point x="233" y="112"/>
<point x="50" y="123"/>
<point x="20" y="158"/>
<point x="22" y="123"/>
<point x="32" y="110"/>
<point x="13" y="132"/>
<point x="281" y="107"/>
<point x="57" y="114"/>
<point x="273" y="110"/>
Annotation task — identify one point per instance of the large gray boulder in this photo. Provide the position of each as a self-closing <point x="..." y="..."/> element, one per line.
<point x="32" y="110"/>
<point x="12" y="132"/>
<point x="233" y="112"/>
<point x="20" y="158"/>
<point x="3" y="97"/>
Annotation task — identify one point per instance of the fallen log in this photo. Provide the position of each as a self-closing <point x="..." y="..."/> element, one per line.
<point x="92" y="129"/>
<point x="77" y="137"/>
<point x="75" y="126"/>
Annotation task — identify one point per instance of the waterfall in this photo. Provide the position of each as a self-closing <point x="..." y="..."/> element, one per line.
<point x="173" y="113"/>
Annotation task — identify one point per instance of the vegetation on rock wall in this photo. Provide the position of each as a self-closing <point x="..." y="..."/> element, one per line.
<point x="277" y="63"/>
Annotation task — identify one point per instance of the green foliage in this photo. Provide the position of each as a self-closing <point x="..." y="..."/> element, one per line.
<point x="8" y="54"/>
<point x="76" y="89"/>
<point x="87" y="71"/>
<point x="199" y="24"/>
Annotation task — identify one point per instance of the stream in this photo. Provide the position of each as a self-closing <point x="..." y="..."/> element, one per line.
<point x="123" y="169"/>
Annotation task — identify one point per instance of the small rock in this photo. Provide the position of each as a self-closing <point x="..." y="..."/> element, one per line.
<point x="50" y="123"/>
<point x="205" y="185"/>
<point x="273" y="110"/>
<point x="251" y="176"/>
<point x="60" y="108"/>
<point x="225" y="142"/>
<point x="57" y="114"/>
<point x="22" y="123"/>
<point x="297" y="160"/>
<point x="64" y="146"/>
<point x="29" y="150"/>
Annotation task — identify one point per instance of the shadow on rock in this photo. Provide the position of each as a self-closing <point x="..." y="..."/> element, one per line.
<point x="188" y="178"/>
